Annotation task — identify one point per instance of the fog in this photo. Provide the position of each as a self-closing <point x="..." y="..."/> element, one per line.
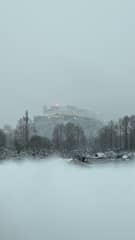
<point x="67" y="52"/>
<point x="53" y="199"/>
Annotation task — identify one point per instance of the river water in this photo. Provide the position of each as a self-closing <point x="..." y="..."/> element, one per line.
<point x="55" y="200"/>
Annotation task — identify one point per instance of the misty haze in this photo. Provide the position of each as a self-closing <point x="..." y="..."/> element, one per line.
<point x="77" y="52"/>
<point x="67" y="122"/>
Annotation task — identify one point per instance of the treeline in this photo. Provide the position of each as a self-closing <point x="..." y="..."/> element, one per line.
<point x="66" y="138"/>
<point x="24" y="138"/>
<point x="69" y="137"/>
<point x="116" y="136"/>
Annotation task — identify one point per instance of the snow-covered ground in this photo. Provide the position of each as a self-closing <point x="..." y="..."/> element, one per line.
<point x="55" y="200"/>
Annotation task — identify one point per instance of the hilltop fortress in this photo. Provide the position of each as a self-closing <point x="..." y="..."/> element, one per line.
<point x="53" y="115"/>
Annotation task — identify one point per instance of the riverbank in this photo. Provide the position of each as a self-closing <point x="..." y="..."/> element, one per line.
<point x="74" y="156"/>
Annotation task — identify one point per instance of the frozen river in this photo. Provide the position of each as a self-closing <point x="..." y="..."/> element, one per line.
<point x="55" y="200"/>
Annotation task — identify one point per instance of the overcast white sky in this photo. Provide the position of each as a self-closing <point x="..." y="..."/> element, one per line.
<point x="67" y="52"/>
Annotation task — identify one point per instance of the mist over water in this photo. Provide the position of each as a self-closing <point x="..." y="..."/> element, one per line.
<point x="53" y="199"/>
